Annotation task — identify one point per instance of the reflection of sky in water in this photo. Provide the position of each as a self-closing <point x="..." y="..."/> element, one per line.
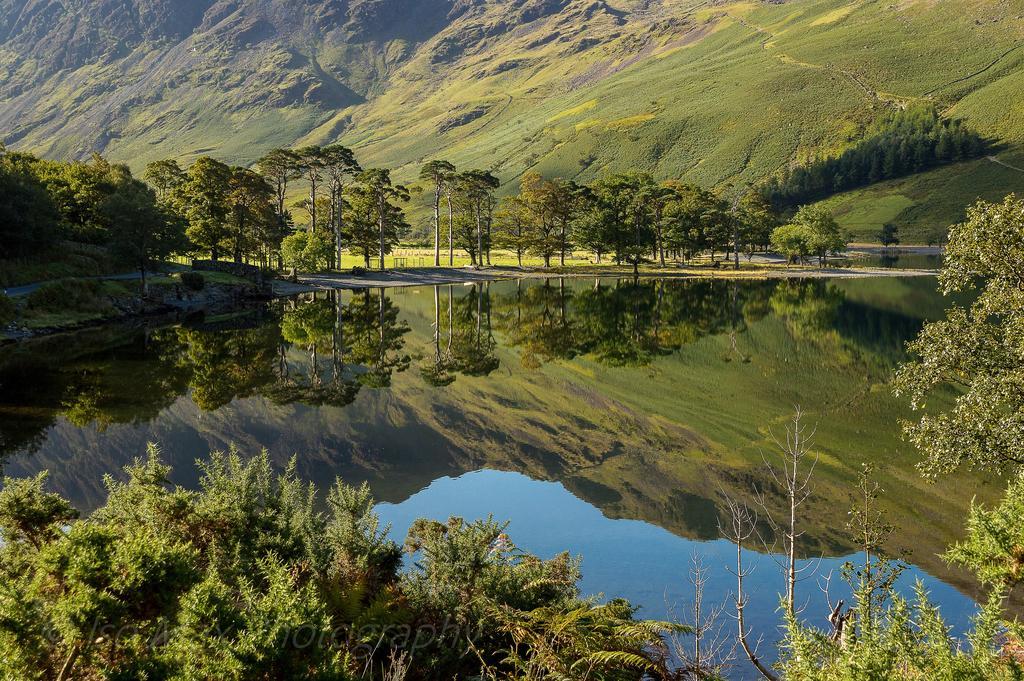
<point x="633" y="559"/>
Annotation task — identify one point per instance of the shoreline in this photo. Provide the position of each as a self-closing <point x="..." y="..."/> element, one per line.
<point x="456" y="275"/>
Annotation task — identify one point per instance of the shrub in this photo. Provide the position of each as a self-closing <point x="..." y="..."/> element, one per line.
<point x="358" y="271"/>
<point x="71" y="295"/>
<point x="193" y="281"/>
<point x="252" y="577"/>
<point x="7" y="310"/>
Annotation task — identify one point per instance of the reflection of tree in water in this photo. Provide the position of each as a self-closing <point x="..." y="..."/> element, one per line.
<point x="470" y="343"/>
<point x="437" y="370"/>
<point x="344" y="348"/>
<point x="120" y="375"/>
<point x="224" y="366"/>
<point x="376" y="337"/>
<point x="473" y="342"/>
<point x="625" y="322"/>
<point x="105" y="376"/>
<point x="125" y="385"/>
<point x="316" y="328"/>
<point x="808" y="307"/>
<point x="537" y="321"/>
<point x="347" y="347"/>
<point x="463" y="339"/>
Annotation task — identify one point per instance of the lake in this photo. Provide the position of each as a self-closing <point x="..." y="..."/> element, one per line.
<point x="603" y="417"/>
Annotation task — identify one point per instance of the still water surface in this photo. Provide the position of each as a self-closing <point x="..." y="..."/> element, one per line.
<point x="602" y="417"/>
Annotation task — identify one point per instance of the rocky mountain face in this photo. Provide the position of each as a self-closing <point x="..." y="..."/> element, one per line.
<point x="75" y="75"/>
<point x="184" y="77"/>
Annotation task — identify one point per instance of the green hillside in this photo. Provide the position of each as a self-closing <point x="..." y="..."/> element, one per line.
<point x="722" y="93"/>
<point x="732" y="93"/>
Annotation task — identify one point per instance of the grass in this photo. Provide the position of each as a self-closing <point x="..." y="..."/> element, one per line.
<point x="764" y="86"/>
<point x="578" y="262"/>
<point x="222" y="278"/>
<point x="761" y="87"/>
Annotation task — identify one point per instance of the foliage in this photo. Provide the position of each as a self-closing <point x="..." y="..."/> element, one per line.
<point x="439" y="174"/>
<point x="977" y="349"/>
<point x="375" y="219"/>
<point x="254" y="227"/>
<point x="237" y="212"/>
<point x="906" y="640"/>
<point x="166" y="177"/>
<point x="512" y="227"/>
<point x="143" y="231"/>
<point x="28" y="214"/>
<point x="813" y="230"/>
<point x="899" y="143"/>
<point x="624" y="201"/>
<point x="7" y="310"/>
<point x="203" y="200"/>
<point x="250" y="577"/>
<point x="792" y="241"/>
<point x="193" y="281"/>
<point x="72" y="295"/>
<point x="594" y="642"/>
<point x="80" y="191"/>
<point x="992" y="548"/>
<point x="882" y="635"/>
<point x="305" y="252"/>
<point x="888" y="235"/>
<point x="475" y="191"/>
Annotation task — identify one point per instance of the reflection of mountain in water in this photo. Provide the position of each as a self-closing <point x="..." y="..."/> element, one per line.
<point x="647" y="399"/>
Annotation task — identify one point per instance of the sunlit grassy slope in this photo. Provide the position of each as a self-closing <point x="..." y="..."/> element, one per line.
<point x="723" y="93"/>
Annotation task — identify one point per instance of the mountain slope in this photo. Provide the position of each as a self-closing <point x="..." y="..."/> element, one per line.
<point x="723" y="93"/>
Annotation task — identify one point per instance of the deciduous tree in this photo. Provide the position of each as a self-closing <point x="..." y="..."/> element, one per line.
<point x="205" y="195"/>
<point x="142" y="230"/>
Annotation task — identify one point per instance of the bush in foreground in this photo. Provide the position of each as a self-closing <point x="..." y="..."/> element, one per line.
<point x="7" y="310"/>
<point x="248" y="579"/>
<point x="193" y="281"/>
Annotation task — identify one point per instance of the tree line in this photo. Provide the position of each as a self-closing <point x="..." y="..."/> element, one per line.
<point x="245" y="215"/>
<point x="899" y="143"/>
<point x="627" y="218"/>
<point x="96" y="203"/>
